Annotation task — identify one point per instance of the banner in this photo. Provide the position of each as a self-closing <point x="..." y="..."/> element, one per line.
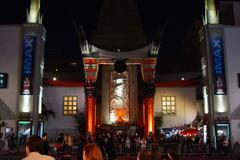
<point x="27" y="71"/>
<point x="219" y="79"/>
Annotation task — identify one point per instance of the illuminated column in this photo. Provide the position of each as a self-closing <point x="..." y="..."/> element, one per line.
<point x="90" y="108"/>
<point x="30" y="93"/>
<point x="216" y="101"/>
<point x="91" y="70"/>
<point x="211" y="14"/>
<point x="30" y="86"/>
<point x="149" y="108"/>
<point x="33" y="13"/>
<point x="148" y="72"/>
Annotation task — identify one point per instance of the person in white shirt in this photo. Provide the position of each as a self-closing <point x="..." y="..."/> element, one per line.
<point x="127" y="144"/>
<point x="143" y="144"/>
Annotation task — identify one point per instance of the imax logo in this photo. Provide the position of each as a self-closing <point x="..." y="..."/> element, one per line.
<point x="28" y="58"/>
<point x="217" y="55"/>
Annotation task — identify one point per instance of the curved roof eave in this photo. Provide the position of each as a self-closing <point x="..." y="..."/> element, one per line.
<point x="133" y="54"/>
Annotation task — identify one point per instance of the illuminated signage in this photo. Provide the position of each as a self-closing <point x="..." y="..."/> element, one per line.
<point x="26" y="86"/>
<point x="24" y="128"/>
<point x="3" y="80"/>
<point x="24" y="122"/>
<point x="218" y="65"/>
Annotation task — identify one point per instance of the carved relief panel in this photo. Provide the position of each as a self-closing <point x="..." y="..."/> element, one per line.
<point x="119" y="97"/>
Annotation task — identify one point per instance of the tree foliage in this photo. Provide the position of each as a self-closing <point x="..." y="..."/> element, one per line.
<point x="80" y="123"/>
<point x="47" y="112"/>
<point x="158" y="119"/>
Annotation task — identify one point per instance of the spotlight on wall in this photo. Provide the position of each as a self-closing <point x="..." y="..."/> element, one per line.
<point x="120" y="66"/>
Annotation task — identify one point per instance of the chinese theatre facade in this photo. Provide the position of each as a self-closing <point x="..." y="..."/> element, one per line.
<point x="119" y="61"/>
<point x="115" y="92"/>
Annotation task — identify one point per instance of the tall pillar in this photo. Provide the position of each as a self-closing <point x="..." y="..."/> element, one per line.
<point x="149" y="108"/>
<point x="91" y="70"/>
<point x="214" y="81"/>
<point x="90" y="108"/>
<point x="30" y="89"/>
<point x="148" y="66"/>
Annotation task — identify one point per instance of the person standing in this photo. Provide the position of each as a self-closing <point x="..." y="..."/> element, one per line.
<point x="225" y="145"/>
<point x="46" y="147"/>
<point x="33" y="147"/>
<point x="2" y="143"/>
<point x="143" y="143"/>
<point x="67" y="148"/>
<point x="92" y="152"/>
<point x="11" y="142"/>
<point x="127" y="145"/>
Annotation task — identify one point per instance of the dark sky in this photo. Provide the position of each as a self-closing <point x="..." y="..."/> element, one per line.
<point x="174" y="19"/>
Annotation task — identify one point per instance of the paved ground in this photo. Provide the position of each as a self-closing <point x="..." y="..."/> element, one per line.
<point x="18" y="156"/>
<point x="190" y="157"/>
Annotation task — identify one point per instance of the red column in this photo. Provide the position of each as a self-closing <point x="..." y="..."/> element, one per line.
<point x="149" y="115"/>
<point x="90" y="114"/>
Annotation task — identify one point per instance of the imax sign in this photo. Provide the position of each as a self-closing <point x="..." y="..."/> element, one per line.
<point x="29" y="44"/>
<point x="28" y="55"/>
<point x="218" y="64"/>
<point x="217" y="55"/>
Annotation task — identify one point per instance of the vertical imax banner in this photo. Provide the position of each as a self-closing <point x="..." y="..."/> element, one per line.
<point x="218" y="65"/>
<point x="27" y="71"/>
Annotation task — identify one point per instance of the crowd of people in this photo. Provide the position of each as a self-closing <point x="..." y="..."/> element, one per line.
<point x="38" y="148"/>
<point x="112" y="143"/>
<point x="98" y="148"/>
<point x="124" y="142"/>
<point x="107" y="144"/>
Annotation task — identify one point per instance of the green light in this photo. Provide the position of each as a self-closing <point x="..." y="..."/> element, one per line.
<point x="23" y="122"/>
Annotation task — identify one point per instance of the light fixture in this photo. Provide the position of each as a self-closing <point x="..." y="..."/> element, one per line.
<point x="54" y="78"/>
<point x="120" y="66"/>
<point x="182" y="78"/>
<point x="73" y="63"/>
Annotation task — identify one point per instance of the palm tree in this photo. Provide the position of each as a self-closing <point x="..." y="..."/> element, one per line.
<point x="46" y="113"/>
<point x="158" y="119"/>
<point x="80" y="122"/>
<point x="2" y="123"/>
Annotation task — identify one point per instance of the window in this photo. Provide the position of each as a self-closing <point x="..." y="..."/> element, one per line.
<point x="69" y="105"/>
<point x="168" y="105"/>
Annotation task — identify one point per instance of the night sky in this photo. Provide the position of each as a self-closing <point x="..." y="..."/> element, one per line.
<point x="174" y="19"/>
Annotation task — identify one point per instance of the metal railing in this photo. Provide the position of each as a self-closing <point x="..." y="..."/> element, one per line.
<point x="121" y="148"/>
<point x="162" y="148"/>
<point x="16" y="146"/>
